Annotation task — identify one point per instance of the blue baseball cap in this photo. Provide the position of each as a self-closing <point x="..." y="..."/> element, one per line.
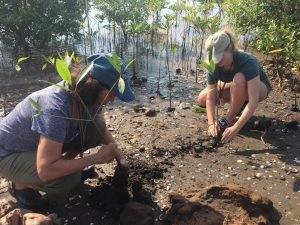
<point x="105" y="73"/>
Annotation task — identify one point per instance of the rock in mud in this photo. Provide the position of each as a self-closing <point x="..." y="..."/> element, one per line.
<point x="184" y="106"/>
<point x="170" y="109"/>
<point x="142" y="148"/>
<point x="150" y="112"/>
<point x="295" y="108"/>
<point x="158" y="152"/>
<point x="178" y="71"/>
<point x="135" y="213"/>
<point x="139" y="108"/>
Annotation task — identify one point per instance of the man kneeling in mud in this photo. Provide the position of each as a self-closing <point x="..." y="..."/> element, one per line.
<point x="38" y="153"/>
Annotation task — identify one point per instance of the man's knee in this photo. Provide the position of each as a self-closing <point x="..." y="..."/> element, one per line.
<point x="63" y="186"/>
<point x="202" y="99"/>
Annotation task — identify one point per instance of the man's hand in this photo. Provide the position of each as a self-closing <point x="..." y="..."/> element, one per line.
<point x="106" y="154"/>
<point x="229" y="134"/>
<point x="213" y="130"/>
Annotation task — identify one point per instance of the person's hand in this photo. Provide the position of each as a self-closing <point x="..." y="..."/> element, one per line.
<point x="123" y="162"/>
<point x="213" y="130"/>
<point x="106" y="154"/>
<point x="229" y="134"/>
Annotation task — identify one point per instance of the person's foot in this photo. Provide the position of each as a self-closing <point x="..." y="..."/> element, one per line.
<point x="29" y="198"/>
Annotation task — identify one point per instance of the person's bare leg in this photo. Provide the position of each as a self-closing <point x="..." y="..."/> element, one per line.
<point x="225" y="93"/>
<point x="238" y="93"/>
<point x="263" y="91"/>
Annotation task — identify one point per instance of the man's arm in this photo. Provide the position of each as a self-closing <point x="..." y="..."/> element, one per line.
<point x="51" y="166"/>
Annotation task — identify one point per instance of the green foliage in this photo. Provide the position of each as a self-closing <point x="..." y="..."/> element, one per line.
<point x="36" y="106"/>
<point x="22" y="59"/>
<point x="201" y="18"/>
<point x="210" y="65"/>
<point x="39" y="21"/>
<point x="121" y="85"/>
<point x="84" y="72"/>
<point x="275" y="24"/>
<point x="198" y="109"/>
<point x="63" y="71"/>
<point x="127" y="14"/>
<point x="18" y="67"/>
<point x="129" y="64"/>
<point x="115" y="62"/>
<point x="169" y="21"/>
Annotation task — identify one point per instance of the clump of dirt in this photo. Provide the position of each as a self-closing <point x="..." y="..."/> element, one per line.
<point x="227" y="204"/>
<point x="200" y="145"/>
<point x="108" y="197"/>
<point x="127" y="184"/>
<point x="183" y="146"/>
<point x="120" y="178"/>
<point x="143" y="171"/>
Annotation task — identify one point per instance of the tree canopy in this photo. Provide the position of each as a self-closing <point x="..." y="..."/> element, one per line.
<point x="37" y="22"/>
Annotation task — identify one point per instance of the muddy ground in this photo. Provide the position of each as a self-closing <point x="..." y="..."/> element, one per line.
<point x="178" y="175"/>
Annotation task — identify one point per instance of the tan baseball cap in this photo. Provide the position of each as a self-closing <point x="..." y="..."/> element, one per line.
<point x="219" y="41"/>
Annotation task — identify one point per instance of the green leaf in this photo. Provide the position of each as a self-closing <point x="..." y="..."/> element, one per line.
<point x="44" y="66"/>
<point x="22" y="59"/>
<point x="205" y="65"/>
<point x="18" y="68"/>
<point x="45" y="58"/>
<point x="129" y="64"/>
<point x="115" y="62"/>
<point x="139" y="28"/>
<point x="59" y="55"/>
<point x="76" y="59"/>
<point x="72" y="56"/>
<point x="174" y="50"/>
<point x="66" y="54"/>
<point x="67" y="61"/>
<point x="35" y="105"/>
<point x="63" y="71"/>
<point x="198" y="109"/>
<point x="276" y="51"/>
<point x="121" y="85"/>
<point x="209" y="66"/>
<point x="211" y="54"/>
<point x="212" y="67"/>
<point x="84" y="72"/>
<point x="57" y="85"/>
<point x="52" y="60"/>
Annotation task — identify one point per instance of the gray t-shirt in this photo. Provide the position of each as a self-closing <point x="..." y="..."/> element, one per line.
<point x="20" y="131"/>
